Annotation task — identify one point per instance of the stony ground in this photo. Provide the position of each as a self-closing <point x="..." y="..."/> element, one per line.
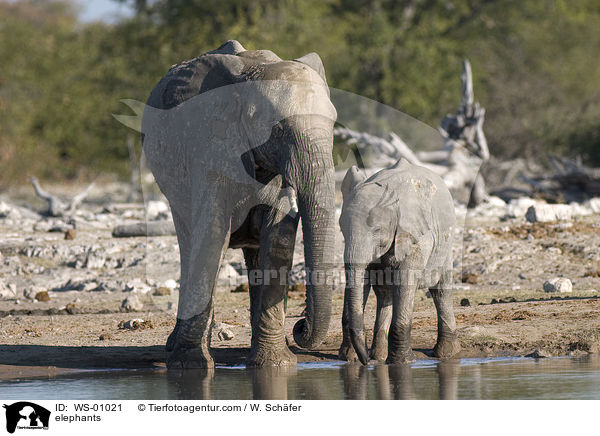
<point x="99" y="301"/>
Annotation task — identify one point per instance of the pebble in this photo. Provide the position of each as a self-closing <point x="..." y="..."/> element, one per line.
<point x="70" y="234"/>
<point x="228" y="275"/>
<point x="243" y="287"/>
<point x="157" y="210"/>
<point x="539" y="354"/>
<point x="131" y="304"/>
<point x="7" y="290"/>
<point x="135" y="324"/>
<point x="223" y="331"/>
<point x="298" y="287"/>
<point x="554" y="250"/>
<point x="162" y="291"/>
<point x="171" y="284"/>
<point x="558" y="284"/>
<point x="137" y="285"/>
<point x="42" y="296"/>
<point x="33" y="291"/>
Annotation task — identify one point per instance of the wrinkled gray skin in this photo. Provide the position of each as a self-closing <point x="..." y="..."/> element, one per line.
<point x="235" y="139"/>
<point x="399" y="221"/>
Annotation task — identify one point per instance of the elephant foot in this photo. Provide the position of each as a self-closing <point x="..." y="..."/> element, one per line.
<point x="172" y="339"/>
<point x="401" y="357"/>
<point x="347" y="353"/>
<point x="189" y="343"/>
<point x="446" y="348"/>
<point x="269" y="356"/>
<point x="379" y="352"/>
<point x="379" y="347"/>
<point x="190" y="358"/>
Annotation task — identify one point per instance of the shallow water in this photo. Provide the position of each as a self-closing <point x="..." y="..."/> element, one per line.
<point x="493" y="378"/>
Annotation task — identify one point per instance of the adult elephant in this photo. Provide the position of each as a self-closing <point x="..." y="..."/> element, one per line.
<point x="235" y="139"/>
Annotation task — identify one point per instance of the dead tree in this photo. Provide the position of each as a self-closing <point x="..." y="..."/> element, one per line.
<point x="458" y="162"/>
<point x="153" y="228"/>
<point x="463" y="133"/>
<point x="56" y="206"/>
<point x="571" y="182"/>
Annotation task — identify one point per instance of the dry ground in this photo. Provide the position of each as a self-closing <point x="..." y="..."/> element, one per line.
<point x="505" y="261"/>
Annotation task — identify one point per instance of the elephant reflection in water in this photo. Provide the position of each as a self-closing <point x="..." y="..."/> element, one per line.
<point x="271" y="383"/>
<point x="192" y="384"/>
<point x="396" y="381"/>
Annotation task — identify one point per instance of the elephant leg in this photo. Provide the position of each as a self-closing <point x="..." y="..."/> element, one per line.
<point x="346" y="351"/>
<point x="383" y="319"/>
<point x="182" y="239"/>
<point x="399" y="348"/>
<point x="252" y="264"/>
<point x="205" y="243"/>
<point x="278" y="236"/>
<point x="447" y="341"/>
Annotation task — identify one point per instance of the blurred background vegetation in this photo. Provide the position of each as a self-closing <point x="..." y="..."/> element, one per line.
<point x="535" y="64"/>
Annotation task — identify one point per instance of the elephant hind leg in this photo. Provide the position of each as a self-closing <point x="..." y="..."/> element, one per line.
<point x="447" y="341"/>
<point x="202" y="248"/>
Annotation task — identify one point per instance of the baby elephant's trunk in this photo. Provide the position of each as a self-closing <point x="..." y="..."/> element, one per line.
<point x="354" y="291"/>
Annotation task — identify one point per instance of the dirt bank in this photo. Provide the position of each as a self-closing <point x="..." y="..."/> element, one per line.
<point x="87" y="278"/>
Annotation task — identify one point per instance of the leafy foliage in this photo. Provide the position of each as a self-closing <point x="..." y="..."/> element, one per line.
<point x="535" y="66"/>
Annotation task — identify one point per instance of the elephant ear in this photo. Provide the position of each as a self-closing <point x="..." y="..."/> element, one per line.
<point x="313" y="60"/>
<point x="353" y="177"/>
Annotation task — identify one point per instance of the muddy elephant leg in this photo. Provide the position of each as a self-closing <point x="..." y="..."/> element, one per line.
<point x="252" y="264"/>
<point x="447" y="341"/>
<point x="399" y="347"/>
<point x="383" y="319"/>
<point x="346" y="351"/>
<point x="182" y="239"/>
<point x="278" y="236"/>
<point x="207" y="238"/>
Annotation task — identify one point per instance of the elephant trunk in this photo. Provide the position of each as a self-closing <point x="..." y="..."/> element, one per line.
<point x="355" y="277"/>
<point x="316" y="207"/>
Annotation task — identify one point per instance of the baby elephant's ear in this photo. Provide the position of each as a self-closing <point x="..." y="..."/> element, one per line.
<point x="353" y="177"/>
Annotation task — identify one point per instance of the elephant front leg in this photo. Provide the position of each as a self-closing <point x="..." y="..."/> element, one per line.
<point x="383" y="318"/>
<point x="202" y="246"/>
<point x="276" y="252"/>
<point x="447" y="344"/>
<point x="399" y="345"/>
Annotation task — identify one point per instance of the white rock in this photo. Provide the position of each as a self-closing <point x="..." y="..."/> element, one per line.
<point x="492" y="200"/>
<point x="558" y="284"/>
<point x="228" y="275"/>
<point x="137" y="285"/>
<point x="580" y="209"/>
<point x="518" y="206"/>
<point x="157" y="210"/>
<point x="543" y="213"/>
<point x="131" y="324"/>
<point x="223" y="331"/>
<point x="8" y="211"/>
<point x="171" y="284"/>
<point x="131" y="304"/>
<point x="593" y="204"/>
<point x="31" y="292"/>
<point x="554" y="250"/>
<point x="7" y="290"/>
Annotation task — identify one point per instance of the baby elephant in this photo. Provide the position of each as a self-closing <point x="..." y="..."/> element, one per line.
<point x="397" y="226"/>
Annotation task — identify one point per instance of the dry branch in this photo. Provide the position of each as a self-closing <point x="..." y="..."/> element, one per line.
<point x="56" y="206"/>
<point x="153" y="228"/>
